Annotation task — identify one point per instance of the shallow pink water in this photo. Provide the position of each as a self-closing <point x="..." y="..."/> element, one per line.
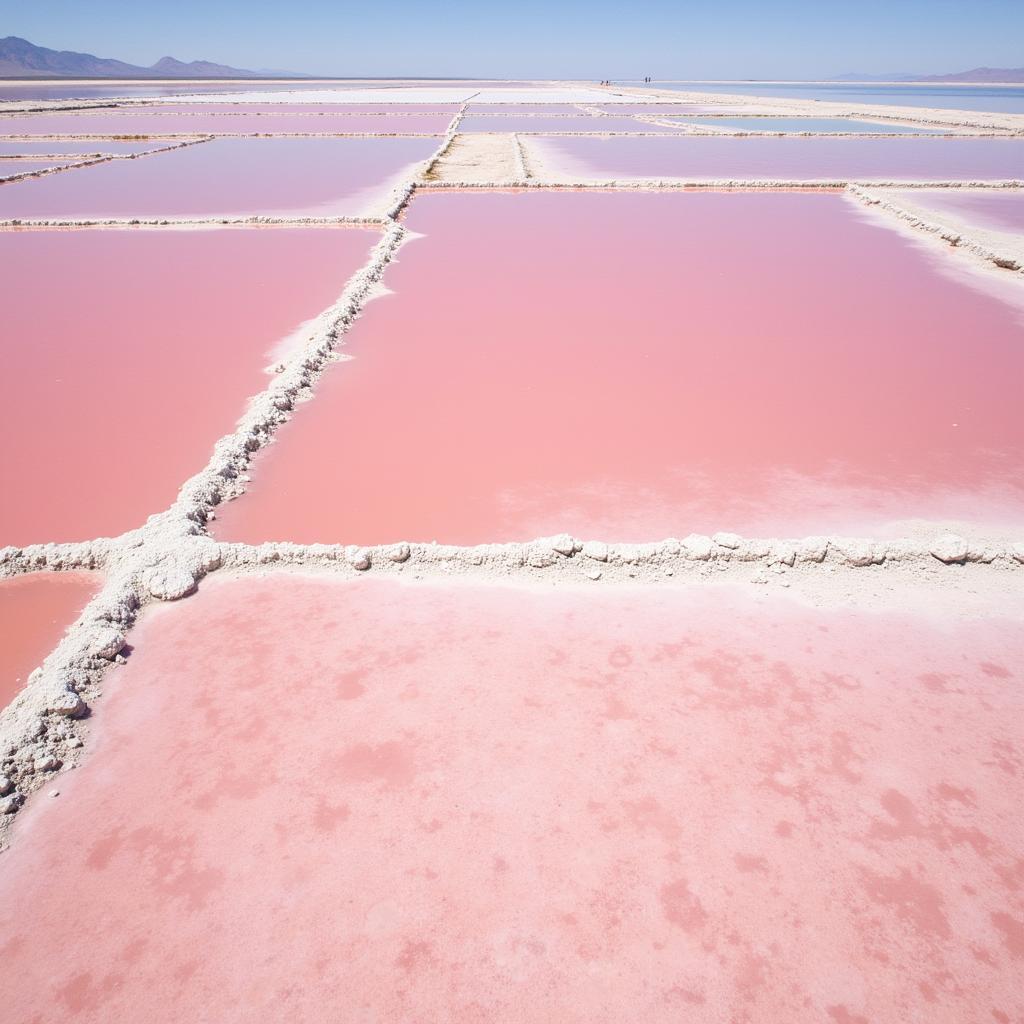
<point x="133" y="352"/>
<point x="24" y="147"/>
<point x="35" y="610"/>
<point x="583" y="123"/>
<point x="1001" y="210"/>
<point x="673" y="108"/>
<point x="199" y="123"/>
<point x="792" y="159"/>
<point x="24" y="166"/>
<point x="243" y="107"/>
<point x="524" y="108"/>
<point x="638" y="366"/>
<point x="388" y="803"/>
<point x="227" y="177"/>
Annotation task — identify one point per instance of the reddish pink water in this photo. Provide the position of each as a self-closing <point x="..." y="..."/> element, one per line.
<point x="1001" y="210"/>
<point x="583" y="123"/>
<point x="35" y="610"/>
<point x="636" y="366"/>
<point x="200" y="123"/>
<point x="372" y="802"/>
<point x="24" y="147"/>
<point x="227" y="177"/>
<point x="24" y="166"/>
<point x="793" y="159"/>
<point x="129" y="353"/>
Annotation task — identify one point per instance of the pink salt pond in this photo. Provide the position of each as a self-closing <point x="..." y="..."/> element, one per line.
<point x="12" y="167"/>
<point x="35" y="610"/>
<point x="240" y="106"/>
<point x="633" y="366"/>
<point x="293" y="177"/>
<point x="753" y="158"/>
<point x="200" y="123"/>
<point x="28" y="147"/>
<point x="387" y="802"/>
<point x="134" y="351"/>
<point x="583" y="123"/>
<point x="990" y="209"/>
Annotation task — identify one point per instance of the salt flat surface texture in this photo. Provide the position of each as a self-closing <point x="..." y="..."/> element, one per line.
<point x="139" y="122"/>
<point x="993" y="210"/>
<point x="811" y="124"/>
<point x="475" y="804"/>
<point x="228" y="178"/>
<point x="25" y="147"/>
<point x="34" y="612"/>
<point x="773" y="159"/>
<point x="148" y="357"/>
<point x="676" y="368"/>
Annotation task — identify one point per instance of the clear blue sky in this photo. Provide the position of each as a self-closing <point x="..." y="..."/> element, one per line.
<point x="531" y="38"/>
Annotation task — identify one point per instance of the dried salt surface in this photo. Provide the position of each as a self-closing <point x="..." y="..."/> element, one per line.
<point x="294" y="177"/>
<point x="499" y="448"/>
<point x="35" y="609"/>
<point x="762" y="160"/>
<point x="142" y="308"/>
<point x="480" y="158"/>
<point x="663" y="802"/>
<point x="143" y="123"/>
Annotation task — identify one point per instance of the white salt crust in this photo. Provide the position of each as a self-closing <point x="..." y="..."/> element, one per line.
<point x="42" y="730"/>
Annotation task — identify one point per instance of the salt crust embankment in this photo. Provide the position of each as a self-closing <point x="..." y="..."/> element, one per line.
<point x="41" y="732"/>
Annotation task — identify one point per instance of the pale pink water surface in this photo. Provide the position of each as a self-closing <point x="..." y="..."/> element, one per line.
<point x="8" y="167"/>
<point x="25" y="147"/>
<point x="992" y="209"/>
<point x="314" y="177"/>
<point x="35" y="610"/>
<point x="524" y="108"/>
<point x="677" y="108"/>
<point x="307" y="800"/>
<point x="634" y="366"/>
<point x="583" y="123"/>
<point x="201" y="123"/>
<point x="243" y="107"/>
<point x="754" y="158"/>
<point x="128" y="353"/>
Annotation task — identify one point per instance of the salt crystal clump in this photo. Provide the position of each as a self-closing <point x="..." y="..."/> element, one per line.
<point x="5" y="785"/>
<point x="1018" y="552"/>
<point x="949" y="548"/>
<point x="727" y="540"/>
<point x="358" y="558"/>
<point x="812" y="549"/>
<point x="169" y="583"/>
<point x="860" y="552"/>
<point x="68" y="704"/>
<point x="108" y="643"/>
<point x="563" y="544"/>
<point x="782" y="554"/>
<point x="698" y="547"/>
<point x="399" y="552"/>
<point x="596" y="550"/>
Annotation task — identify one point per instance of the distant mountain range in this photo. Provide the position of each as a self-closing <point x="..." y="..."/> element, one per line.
<point x="1001" y="75"/>
<point x="21" y="59"/>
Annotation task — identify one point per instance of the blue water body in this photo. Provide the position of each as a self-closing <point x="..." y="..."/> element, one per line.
<point x="995" y="99"/>
<point x="802" y="124"/>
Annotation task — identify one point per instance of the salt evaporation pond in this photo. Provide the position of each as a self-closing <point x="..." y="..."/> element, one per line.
<point x="35" y="610"/>
<point x="133" y="351"/>
<point x="583" y="123"/>
<point x="293" y="177"/>
<point x="812" y="124"/>
<point x="991" y="209"/>
<point x="524" y="108"/>
<point x="788" y="159"/>
<point x="9" y="167"/>
<point x="200" y="123"/>
<point x="241" y="106"/>
<point x="633" y="366"/>
<point x="391" y="802"/>
<point x="27" y="147"/>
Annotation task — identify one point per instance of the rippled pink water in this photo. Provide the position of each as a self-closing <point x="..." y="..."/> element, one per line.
<point x="227" y="177"/>
<point x="128" y="353"/>
<point x="789" y="159"/>
<point x="35" y="610"/>
<point x="393" y="803"/>
<point x="634" y="366"/>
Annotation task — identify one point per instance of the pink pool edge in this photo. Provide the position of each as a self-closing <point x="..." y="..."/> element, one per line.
<point x="312" y="800"/>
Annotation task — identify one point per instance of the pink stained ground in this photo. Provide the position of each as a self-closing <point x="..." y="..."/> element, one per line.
<point x="993" y="210"/>
<point x="227" y="177"/>
<point x="394" y="803"/>
<point x="633" y="366"/>
<point x="788" y="159"/>
<point x="35" y="610"/>
<point x="583" y="123"/>
<point x="200" y="123"/>
<point x="158" y="340"/>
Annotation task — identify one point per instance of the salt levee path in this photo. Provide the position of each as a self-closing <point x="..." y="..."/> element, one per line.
<point x="293" y="177"/>
<point x="133" y="351"/>
<point x="782" y="159"/>
<point x="855" y="386"/>
<point x="141" y="122"/>
<point x="391" y="802"/>
<point x="34" y="612"/>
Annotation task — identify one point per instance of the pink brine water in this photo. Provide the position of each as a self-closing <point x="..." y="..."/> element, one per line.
<point x="120" y="386"/>
<point x="393" y="803"/>
<point x="633" y="366"/>
<point x="35" y="610"/>
<point x="990" y="209"/>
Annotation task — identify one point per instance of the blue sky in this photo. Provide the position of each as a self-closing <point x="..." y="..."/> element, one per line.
<point x="529" y="38"/>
